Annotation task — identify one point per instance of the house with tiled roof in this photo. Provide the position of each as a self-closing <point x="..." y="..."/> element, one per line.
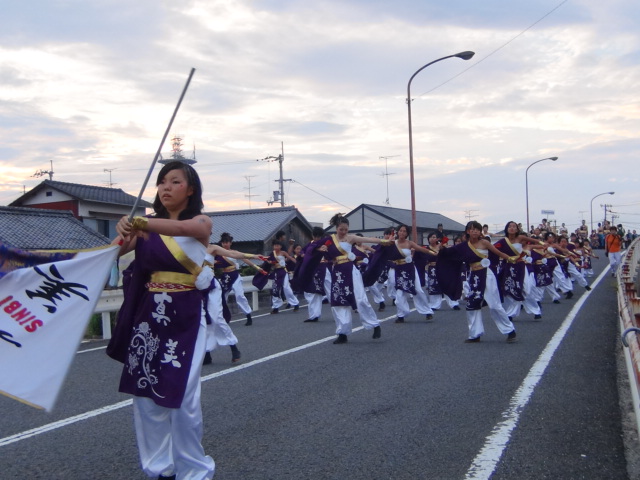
<point x="254" y="230"/>
<point x="99" y="208"/>
<point x="40" y="229"/>
<point x="372" y="220"/>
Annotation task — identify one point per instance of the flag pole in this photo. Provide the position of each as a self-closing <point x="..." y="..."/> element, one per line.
<point x="164" y="137"/>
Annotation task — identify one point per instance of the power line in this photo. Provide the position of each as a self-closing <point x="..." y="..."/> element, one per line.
<point x="497" y="49"/>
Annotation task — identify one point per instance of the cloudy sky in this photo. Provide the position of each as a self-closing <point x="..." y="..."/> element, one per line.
<point x="92" y="85"/>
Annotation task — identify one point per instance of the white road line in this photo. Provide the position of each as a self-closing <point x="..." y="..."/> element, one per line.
<point x="484" y="465"/>
<point x="116" y="406"/>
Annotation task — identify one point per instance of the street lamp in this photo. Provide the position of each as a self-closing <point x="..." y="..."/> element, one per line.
<point x="605" y="193"/>
<point x="526" y="184"/>
<point x="414" y="229"/>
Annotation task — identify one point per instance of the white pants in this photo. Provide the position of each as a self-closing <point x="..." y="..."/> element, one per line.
<point x="561" y="281"/>
<point x="219" y="332"/>
<point x="170" y="439"/>
<point x="530" y="302"/>
<point x="238" y="292"/>
<point x="342" y="315"/>
<point x="276" y="302"/>
<point x="377" y="292"/>
<point x="499" y="316"/>
<point x="402" y="298"/>
<point x="614" y="261"/>
<point x="576" y="275"/>
<point x="314" y="301"/>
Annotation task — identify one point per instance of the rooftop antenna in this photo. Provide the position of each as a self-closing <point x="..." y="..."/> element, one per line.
<point x="111" y="184"/>
<point x="386" y="174"/>
<point x="40" y="173"/>
<point x="248" y="178"/>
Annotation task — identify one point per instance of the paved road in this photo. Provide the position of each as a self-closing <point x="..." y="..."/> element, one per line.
<point x="416" y="404"/>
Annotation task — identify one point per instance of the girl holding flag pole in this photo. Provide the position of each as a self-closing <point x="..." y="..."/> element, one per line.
<point x="161" y="331"/>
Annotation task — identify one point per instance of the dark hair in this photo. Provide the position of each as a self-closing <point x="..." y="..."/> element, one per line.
<point x="506" y="227"/>
<point x="432" y="234"/>
<point x="225" y="237"/>
<point x="548" y="234"/>
<point x="337" y="219"/>
<point x="280" y="233"/>
<point x="388" y="231"/>
<point x="276" y="242"/>
<point x="194" y="205"/>
<point x="473" y="224"/>
<point x="317" y="232"/>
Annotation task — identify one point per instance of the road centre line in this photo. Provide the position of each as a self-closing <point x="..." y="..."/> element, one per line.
<point x="484" y="464"/>
<point x="126" y="403"/>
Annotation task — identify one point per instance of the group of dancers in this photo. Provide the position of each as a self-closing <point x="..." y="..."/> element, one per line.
<point x="175" y="311"/>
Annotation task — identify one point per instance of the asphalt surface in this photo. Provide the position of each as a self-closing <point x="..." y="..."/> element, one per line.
<point x="416" y="404"/>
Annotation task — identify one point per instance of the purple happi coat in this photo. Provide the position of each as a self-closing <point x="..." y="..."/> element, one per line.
<point x="542" y="269"/>
<point x="159" y="328"/>
<point x="512" y="280"/>
<point x="227" y="279"/>
<point x="342" y="293"/>
<point x="450" y="264"/>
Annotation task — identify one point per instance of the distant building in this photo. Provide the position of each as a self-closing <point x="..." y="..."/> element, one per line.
<point x="372" y="220"/>
<point x="99" y="208"/>
<point x="254" y="230"/>
<point x="40" y="229"/>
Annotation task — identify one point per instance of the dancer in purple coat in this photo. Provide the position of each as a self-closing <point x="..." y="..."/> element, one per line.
<point x="161" y="330"/>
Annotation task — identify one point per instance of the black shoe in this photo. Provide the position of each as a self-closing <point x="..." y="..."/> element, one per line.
<point x="296" y="308"/>
<point x="249" y="320"/>
<point x="342" y="338"/>
<point x="235" y="354"/>
<point x="511" y="319"/>
<point x="472" y="340"/>
<point x="456" y="307"/>
<point x="539" y="304"/>
<point x="207" y="360"/>
<point x="275" y="310"/>
<point x="400" y="320"/>
<point x="170" y="477"/>
<point x="569" y="295"/>
<point x="377" y="332"/>
<point x="429" y="316"/>
<point x="587" y="288"/>
<point x="287" y="306"/>
<point x="556" y="301"/>
<point x="311" y="320"/>
<point x="537" y="317"/>
<point x="511" y="338"/>
<point x="394" y="302"/>
<point x="382" y="306"/>
<point x="325" y="301"/>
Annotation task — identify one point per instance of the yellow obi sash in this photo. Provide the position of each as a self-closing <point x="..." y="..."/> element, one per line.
<point x="229" y="269"/>
<point x="341" y="259"/>
<point x="171" y="282"/>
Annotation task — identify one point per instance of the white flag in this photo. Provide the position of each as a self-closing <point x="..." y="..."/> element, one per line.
<point x="44" y="311"/>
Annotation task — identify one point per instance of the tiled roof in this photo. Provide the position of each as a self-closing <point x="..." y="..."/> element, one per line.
<point x="253" y="225"/>
<point x="90" y="193"/>
<point x="423" y="219"/>
<point x="40" y="229"/>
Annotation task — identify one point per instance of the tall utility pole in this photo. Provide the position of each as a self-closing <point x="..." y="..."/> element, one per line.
<point x="386" y="174"/>
<point x="248" y="178"/>
<point x="278" y="195"/>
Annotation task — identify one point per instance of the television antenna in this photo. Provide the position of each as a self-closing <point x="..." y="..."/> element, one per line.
<point x="40" y="173"/>
<point x="248" y="178"/>
<point x="386" y="174"/>
<point x="111" y="184"/>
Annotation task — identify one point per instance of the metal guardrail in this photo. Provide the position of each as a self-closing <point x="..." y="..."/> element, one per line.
<point x="628" y="280"/>
<point x="111" y="301"/>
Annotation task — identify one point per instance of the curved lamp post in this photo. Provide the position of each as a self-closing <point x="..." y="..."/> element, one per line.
<point x="605" y="193"/>
<point x="526" y="184"/>
<point x="414" y="229"/>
